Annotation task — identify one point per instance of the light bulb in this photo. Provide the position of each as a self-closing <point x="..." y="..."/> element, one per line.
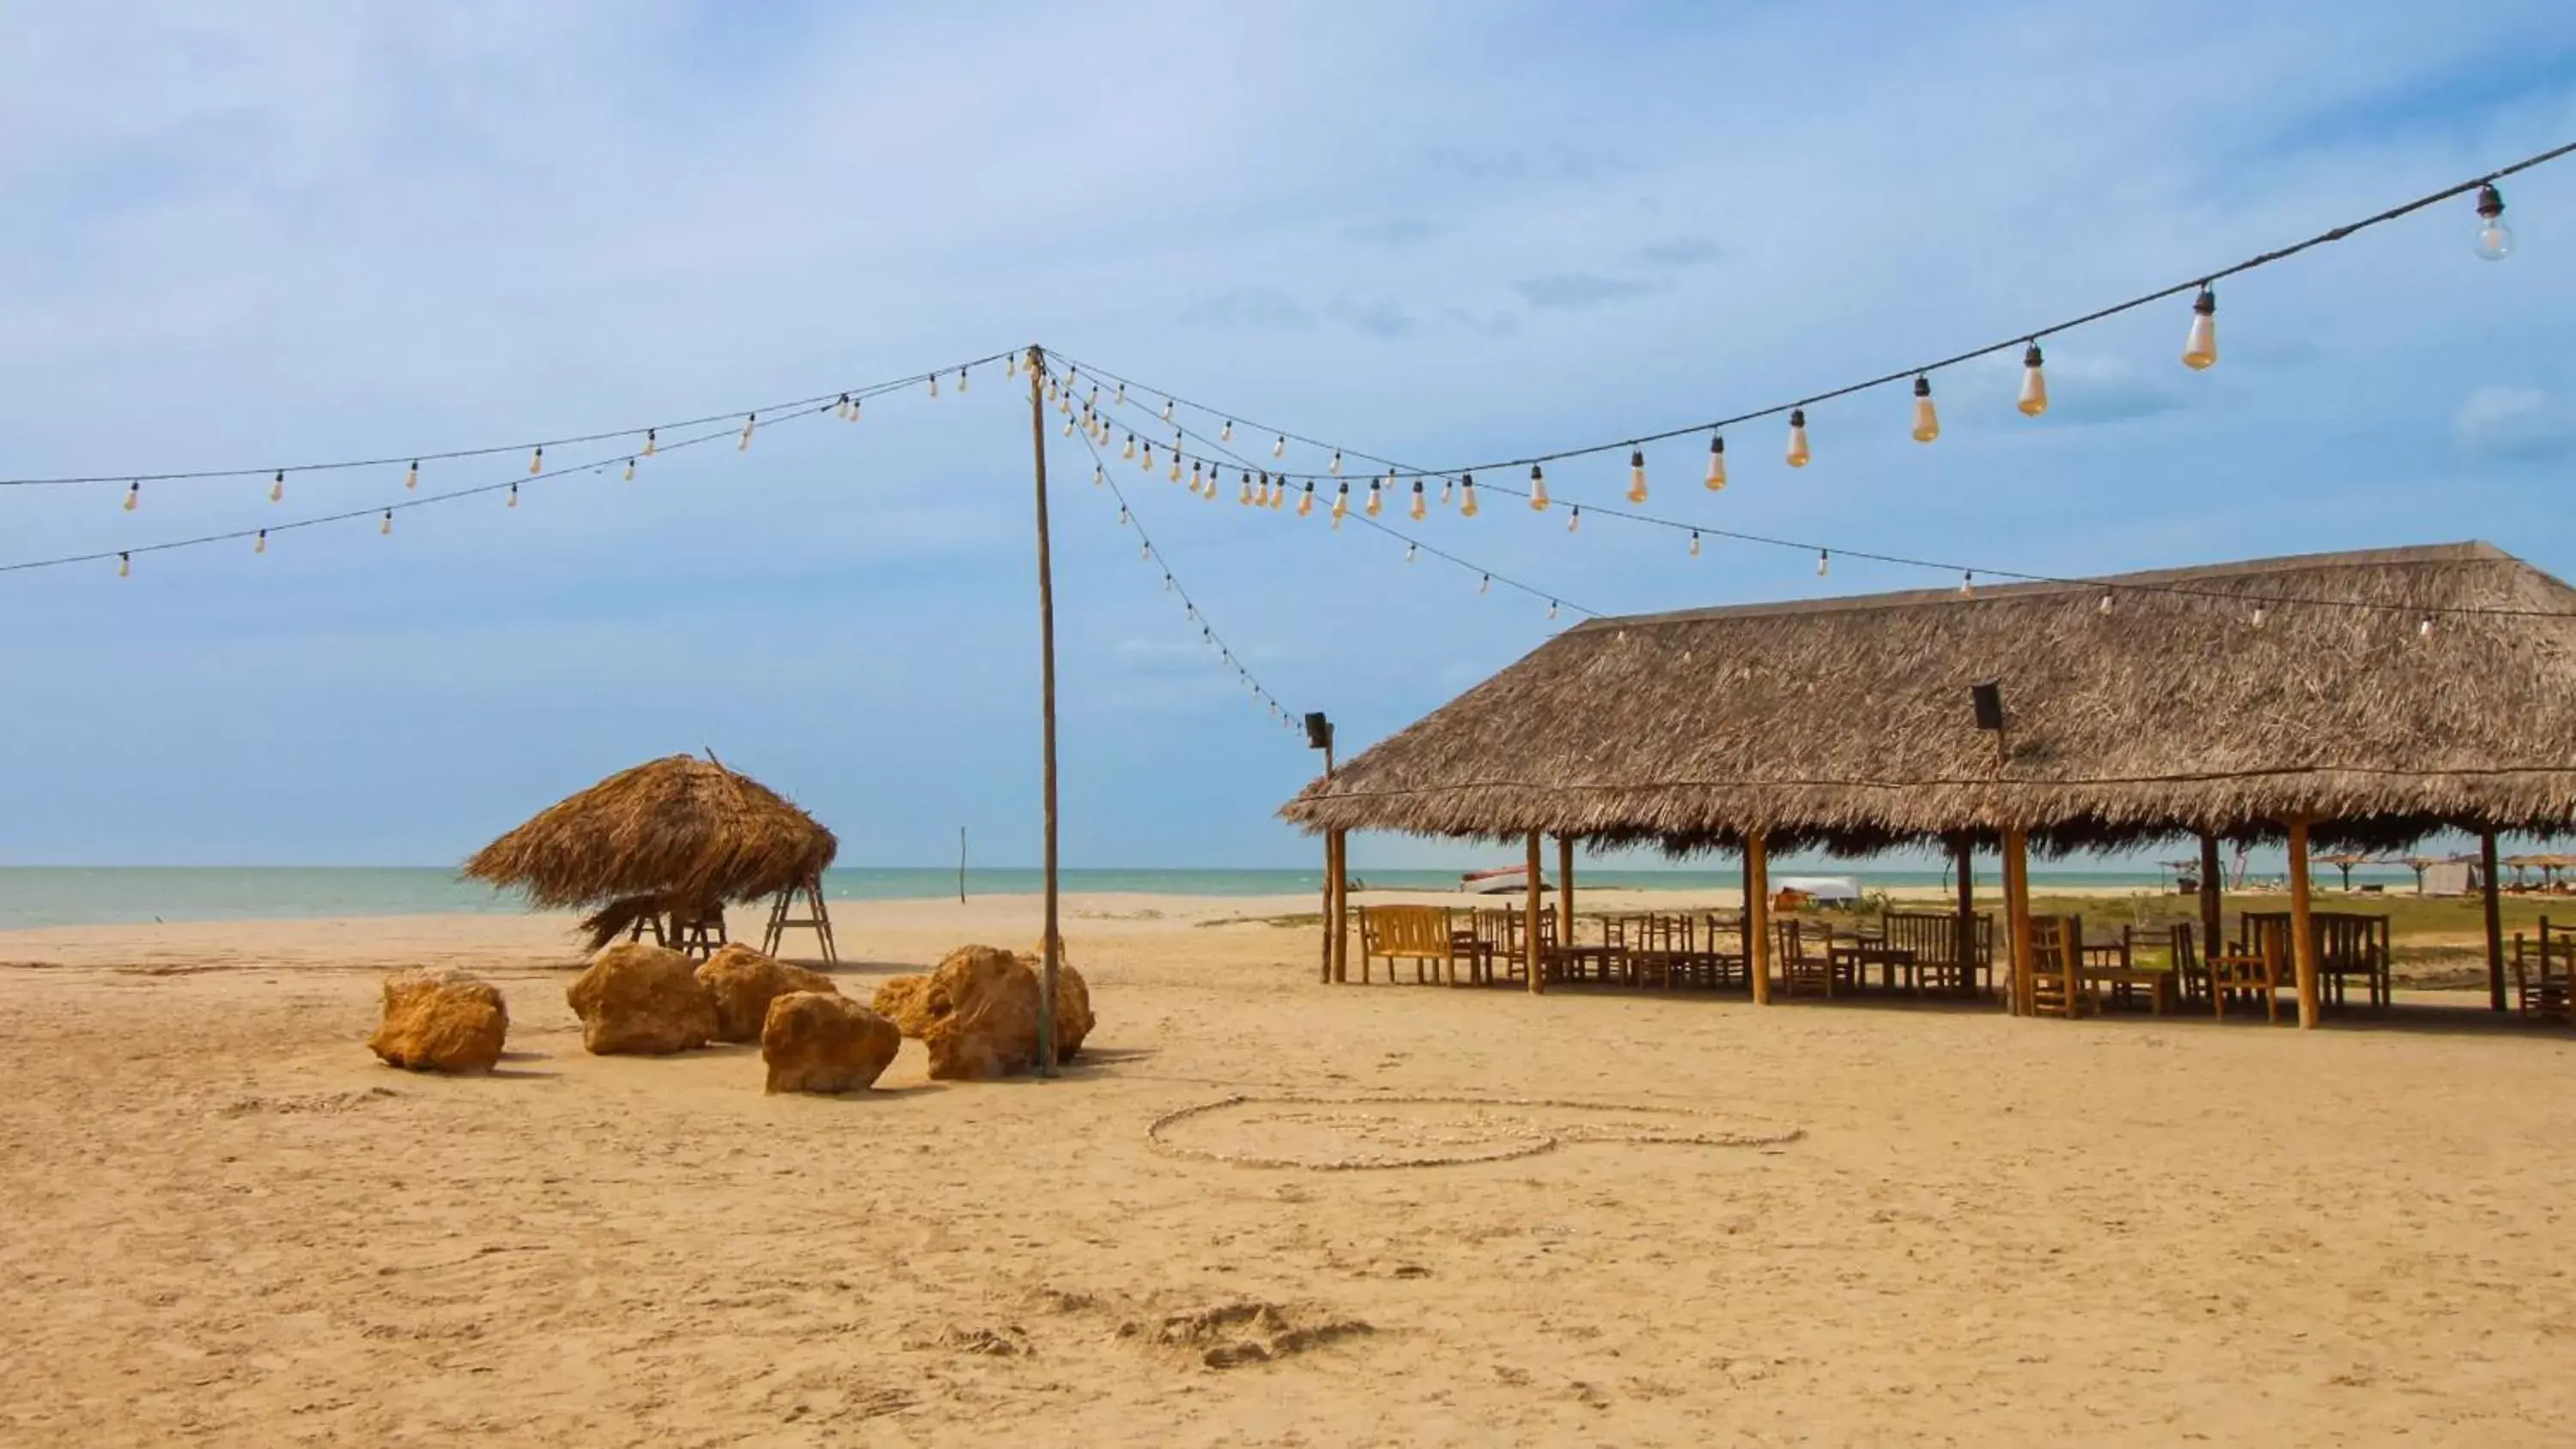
<point x="387" y="526"/>
<point x="749" y="422"/>
<point x="260" y="544"/>
<point x="1068" y="426"/>
<point x="630" y="470"/>
<point x="1210" y="494"/>
<point x="934" y="384"/>
<point x="1927" y="423"/>
<point x="1551" y="608"/>
<point x="537" y="461"/>
<point x="1130" y="454"/>
<point x="2258" y="616"/>
<point x="514" y="495"/>
<point x="1176" y="465"/>
<point x="1010" y="364"/>
<point x="1122" y="394"/>
<point x="1409" y="550"/>
<point x="2425" y="629"/>
<point x="1167" y="410"/>
<point x="277" y="487"/>
<point x="843" y="407"/>
<point x="1306" y="500"/>
<point x="1636" y="475"/>
<point x="1146" y="552"/>
<point x="1694" y="549"/>
<point x="1122" y="515"/>
<point x="1448" y="490"/>
<point x="2034" y="384"/>
<point x="1099" y="475"/>
<point x="1467" y="496"/>
<point x="1716" y="462"/>
<point x="1226" y="434"/>
<point x="1376" y="499"/>
<point x="133" y="495"/>
<point x="1341" y="504"/>
<point x="1244" y="496"/>
<point x="1797" y="437"/>
<point x="1485" y="584"/>
<point x="1538" y="490"/>
<point x="2495" y="239"/>
<point x="856" y="405"/>
<point x="1194" y="475"/>
<point x="1824" y="562"/>
<point x="1968" y="585"/>
<point x="2200" y="348"/>
<point x="1337" y="462"/>
<point x="653" y="441"/>
<point x="1280" y="449"/>
<point x="1574" y="520"/>
<point x="1148" y="464"/>
<point x="2106" y="603"/>
<point x="1421" y="503"/>
<point x="961" y="379"/>
<point x="411" y="475"/>
<point x="124" y="565"/>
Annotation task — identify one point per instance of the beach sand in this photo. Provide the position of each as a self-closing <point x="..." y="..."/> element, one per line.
<point x="227" y="1224"/>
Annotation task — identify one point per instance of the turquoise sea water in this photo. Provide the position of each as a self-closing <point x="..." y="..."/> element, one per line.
<point x="32" y="896"/>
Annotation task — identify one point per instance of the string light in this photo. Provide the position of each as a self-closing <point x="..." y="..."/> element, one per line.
<point x="1011" y="364"/>
<point x="1099" y="475"/>
<point x="934" y="384"/>
<point x="653" y="437"/>
<point x="277" y="487"/>
<point x="1176" y="461"/>
<point x="1337" y="463"/>
<point x="1574" y="520"/>
<point x="1306" y="501"/>
<point x="1210" y="494"/>
<point x="2424" y="630"/>
<point x="1694" y="543"/>
<point x="1636" y="475"/>
<point x="386" y="528"/>
<point x="2258" y="616"/>
<point x="841" y="409"/>
<point x="1130" y="454"/>
<point x="1376" y="498"/>
<point x="1148" y="464"/>
<point x="1122" y="515"/>
<point x="124" y="564"/>
<point x="2034" y="384"/>
<point x="1467" y="496"/>
<point x="1968" y="585"/>
<point x="1421" y="502"/>
<point x="1448" y="489"/>
<point x="1824" y="562"/>
<point x="2200" y="345"/>
<point x="1341" y="504"/>
<point x="2495" y="239"/>
<point x="411" y="475"/>
<point x="1122" y="394"/>
<point x="1797" y="437"/>
<point x="1280" y="449"/>
<point x="1068" y="426"/>
<point x="1226" y="434"/>
<point x="1278" y="492"/>
<point x="961" y="379"/>
<point x="1410" y="549"/>
<point x="2106" y="602"/>
<point x="1927" y="423"/>
<point x="1716" y="462"/>
<point x="1537" y="489"/>
<point x="749" y="422"/>
<point x="630" y="470"/>
<point x="133" y="495"/>
<point x="1244" y="495"/>
<point x="1485" y="584"/>
<point x="514" y="495"/>
<point x="1194" y="474"/>
<point x="857" y="405"/>
<point x="1167" y="410"/>
<point x="1551" y="608"/>
<point x="537" y="461"/>
<point x="260" y="544"/>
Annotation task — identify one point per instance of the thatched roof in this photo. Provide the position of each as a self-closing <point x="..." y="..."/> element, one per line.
<point x="680" y="829"/>
<point x="1846" y="723"/>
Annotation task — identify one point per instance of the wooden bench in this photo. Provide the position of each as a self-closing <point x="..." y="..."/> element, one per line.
<point x="1420" y="934"/>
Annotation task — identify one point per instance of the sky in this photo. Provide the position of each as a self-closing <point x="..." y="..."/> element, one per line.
<point x="264" y="234"/>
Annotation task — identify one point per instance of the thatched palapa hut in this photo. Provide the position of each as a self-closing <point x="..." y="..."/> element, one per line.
<point x="671" y="840"/>
<point x="2362" y="700"/>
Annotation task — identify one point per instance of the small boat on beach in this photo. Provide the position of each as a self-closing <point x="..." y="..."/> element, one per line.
<point x="1502" y="880"/>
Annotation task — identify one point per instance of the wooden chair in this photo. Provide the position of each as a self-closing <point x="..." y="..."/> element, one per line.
<point x="1806" y="959"/>
<point x="1472" y="940"/>
<point x="2351" y="944"/>
<point x="2255" y="966"/>
<point x="1661" y="950"/>
<point x="1725" y="966"/>
<point x="817" y="919"/>
<point x="2138" y="961"/>
<point x="1516" y="948"/>
<point x="2542" y="976"/>
<point x="1419" y="934"/>
<point x="2056" y="978"/>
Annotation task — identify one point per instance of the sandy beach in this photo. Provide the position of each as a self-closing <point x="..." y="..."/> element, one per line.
<point x="1853" y="1224"/>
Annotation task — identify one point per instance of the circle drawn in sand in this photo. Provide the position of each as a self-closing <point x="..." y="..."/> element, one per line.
<point x="1360" y="1134"/>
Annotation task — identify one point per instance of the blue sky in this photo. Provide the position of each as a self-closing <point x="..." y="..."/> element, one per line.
<point x="263" y="233"/>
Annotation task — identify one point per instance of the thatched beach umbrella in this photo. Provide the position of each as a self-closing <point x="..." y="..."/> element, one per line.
<point x="678" y="835"/>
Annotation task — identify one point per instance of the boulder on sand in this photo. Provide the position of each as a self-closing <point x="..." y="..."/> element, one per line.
<point x="905" y="1001"/>
<point x="983" y="1006"/>
<point x="1072" y="1001"/>
<point x="641" y="999"/>
<point x="821" y="1041"/>
<point x="743" y="982"/>
<point x="440" y="1019"/>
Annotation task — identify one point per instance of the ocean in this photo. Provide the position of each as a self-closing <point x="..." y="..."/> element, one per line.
<point x="36" y="896"/>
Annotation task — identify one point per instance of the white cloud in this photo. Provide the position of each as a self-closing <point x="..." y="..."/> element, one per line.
<point x="2517" y="424"/>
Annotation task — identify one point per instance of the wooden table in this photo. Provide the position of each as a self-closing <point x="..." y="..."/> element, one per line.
<point x="1861" y="955"/>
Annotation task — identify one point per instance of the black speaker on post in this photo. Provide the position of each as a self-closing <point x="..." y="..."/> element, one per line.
<point x="1989" y="698"/>
<point x="1319" y="732"/>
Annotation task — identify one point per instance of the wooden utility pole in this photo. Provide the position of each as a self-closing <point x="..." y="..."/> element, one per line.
<point x="1053" y="948"/>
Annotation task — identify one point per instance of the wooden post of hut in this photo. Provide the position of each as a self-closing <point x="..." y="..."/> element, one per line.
<point x="1965" y="849"/>
<point x="2017" y="914"/>
<point x="1535" y="958"/>
<point x="1757" y="915"/>
<point x="2212" y="905"/>
<point x="1338" y="921"/>
<point x="1565" y="890"/>
<point x="2303" y="945"/>
<point x="1332" y="887"/>
<point x="2495" y="919"/>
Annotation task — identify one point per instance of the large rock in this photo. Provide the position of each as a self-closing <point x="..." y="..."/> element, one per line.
<point x="905" y="1001"/>
<point x="1072" y="1001"/>
<point x="983" y="1006"/>
<point x="821" y="1041"/>
<point x="641" y="999"/>
<point x="439" y="1019"/>
<point x="743" y="982"/>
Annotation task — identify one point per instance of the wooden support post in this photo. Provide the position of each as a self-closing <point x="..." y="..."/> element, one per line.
<point x="2017" y="914"/>
<point x="2213" y="920"/>
<point x="2303" y="945"/>
<point x="1565" y="890"/>
<point x="1051" y="946"/>
<point x="2495" y="920"/>
<point x="1965" y="850"/>
<point x="1340" y="924"/>
<point x="1324" y="921"/>
<point x="1757" y="915"/>
<point x="1537" y="959"/>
